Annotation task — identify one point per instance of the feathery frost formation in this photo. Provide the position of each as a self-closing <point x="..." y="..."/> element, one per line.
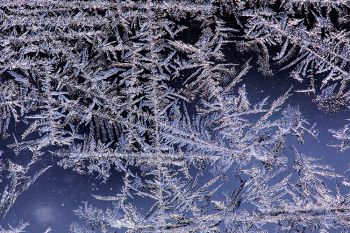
<point x="147" y="88"/>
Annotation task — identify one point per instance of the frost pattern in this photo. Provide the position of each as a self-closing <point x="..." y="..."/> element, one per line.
<point x="105" y="85"/>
